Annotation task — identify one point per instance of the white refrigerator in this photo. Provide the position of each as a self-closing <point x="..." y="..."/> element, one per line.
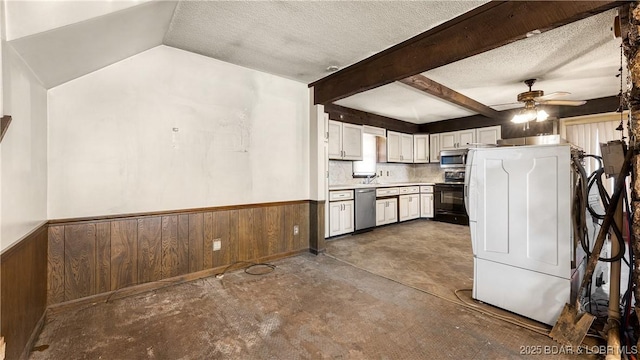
<point x="519" y="204"/>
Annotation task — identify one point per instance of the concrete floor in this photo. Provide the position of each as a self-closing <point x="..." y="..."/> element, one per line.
<point x="308" y="308"/>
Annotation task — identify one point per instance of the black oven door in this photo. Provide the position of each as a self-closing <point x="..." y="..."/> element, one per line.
<point x="449" y="203"/>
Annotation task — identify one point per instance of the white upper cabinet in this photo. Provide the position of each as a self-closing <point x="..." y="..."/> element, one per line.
<point x="393" y="146"/>
<point x="345" y="141"/>
<point x="399" y="147"/>
<point x="434" y="148"/>
<point x="352" y="141"/>
<point x="457" y="139"/>
<point x="489" y="135"/>
<point x="421" y="148"/>
<point x="335" y="140"/>
<point x="406" y="147"/>
<point x="448" y="140"/>
<point x="466" y="138"/>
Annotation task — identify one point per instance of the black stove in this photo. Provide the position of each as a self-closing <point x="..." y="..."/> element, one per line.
<point x="449" y="199"/>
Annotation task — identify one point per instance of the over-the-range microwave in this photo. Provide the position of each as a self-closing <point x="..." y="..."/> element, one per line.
<point x="453" y="158"/>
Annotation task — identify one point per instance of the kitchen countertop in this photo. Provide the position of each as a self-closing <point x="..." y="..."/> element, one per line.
<point x="361" y="186"/>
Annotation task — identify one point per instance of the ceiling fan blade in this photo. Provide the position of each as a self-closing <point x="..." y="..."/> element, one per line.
<point x="564" y="102"/>
<point x="553" y="95"/>
<point x="511" y="104"/>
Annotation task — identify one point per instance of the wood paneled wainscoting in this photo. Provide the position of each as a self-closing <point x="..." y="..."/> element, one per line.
<point x="23" y="285"/>
<point x="101" y="255"/>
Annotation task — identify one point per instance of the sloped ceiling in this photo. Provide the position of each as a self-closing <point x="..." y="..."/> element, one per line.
<point x="24" y="18"/>
<point x="68" y="52"/>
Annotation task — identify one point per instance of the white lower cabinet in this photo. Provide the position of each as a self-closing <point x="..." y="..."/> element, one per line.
<point x="386" y="211"/>
<point x="426" y="205"/>
<point x="341" y="217"/>
<point x="409" y="207"/>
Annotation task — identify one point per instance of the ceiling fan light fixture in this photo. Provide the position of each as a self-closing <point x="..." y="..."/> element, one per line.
<point x="542" y="116"/>
<point x="525" y="115"/>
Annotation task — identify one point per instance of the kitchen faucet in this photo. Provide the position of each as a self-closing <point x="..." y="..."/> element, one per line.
<point x="369" y="179"/>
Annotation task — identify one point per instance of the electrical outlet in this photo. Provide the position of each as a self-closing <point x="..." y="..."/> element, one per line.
<point x="296" y="230"/>
<point x="217" y="244"/>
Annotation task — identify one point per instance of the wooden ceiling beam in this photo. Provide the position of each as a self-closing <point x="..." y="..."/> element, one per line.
<point x="423" y="83"/>
<point x="484" y="28"/>
<point x="4" y="125"/>
<point x="358" y="117"/>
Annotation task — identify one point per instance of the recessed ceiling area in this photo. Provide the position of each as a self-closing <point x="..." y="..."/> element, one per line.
<point x="405" y="103"/>
<point x="581" y="58"/>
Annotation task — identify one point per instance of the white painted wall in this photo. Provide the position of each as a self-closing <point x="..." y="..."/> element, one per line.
<point x="23" y="152"/>
<point x="30" y="17"/>
<point x="318" y="148"/>
<point x="243" y="137"/>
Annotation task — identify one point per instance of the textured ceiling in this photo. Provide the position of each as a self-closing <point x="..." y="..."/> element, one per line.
<point x="582" y="58"/>
<point x="300" y="39"/>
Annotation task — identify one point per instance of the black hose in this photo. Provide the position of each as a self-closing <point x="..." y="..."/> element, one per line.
<point x="583" y="188"/>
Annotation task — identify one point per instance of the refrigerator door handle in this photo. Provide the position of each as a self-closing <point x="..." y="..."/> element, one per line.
<point x="467" y="179"/>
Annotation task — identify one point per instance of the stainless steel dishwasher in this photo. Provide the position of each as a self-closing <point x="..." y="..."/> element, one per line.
<point x="365" y="209"/>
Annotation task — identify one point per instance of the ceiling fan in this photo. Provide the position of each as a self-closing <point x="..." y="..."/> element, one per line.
<point x="532" y="98"/>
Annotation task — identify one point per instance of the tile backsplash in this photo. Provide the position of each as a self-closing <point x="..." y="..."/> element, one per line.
<point x="341" y="173"/>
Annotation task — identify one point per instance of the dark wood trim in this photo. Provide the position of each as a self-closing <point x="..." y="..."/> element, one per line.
<point x="593" y="106"/>
<point x="424" y="84"/>
<point x="34" y="336"/>
<point x="487" y="27"/>
<point x="151" y="286"/>
<point x="463" y="123"/>
<point x="23" y="289"/>
<point x="316" y="226"/>
<point x="511" y="130"/>
<point x="21" y="242"/>
<point x="4" y="125"/>
<point x="353" y="116"/>
<point x="344" y="114"/>
<point x="87" y="258"/>
<point x="174" y="212"/>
